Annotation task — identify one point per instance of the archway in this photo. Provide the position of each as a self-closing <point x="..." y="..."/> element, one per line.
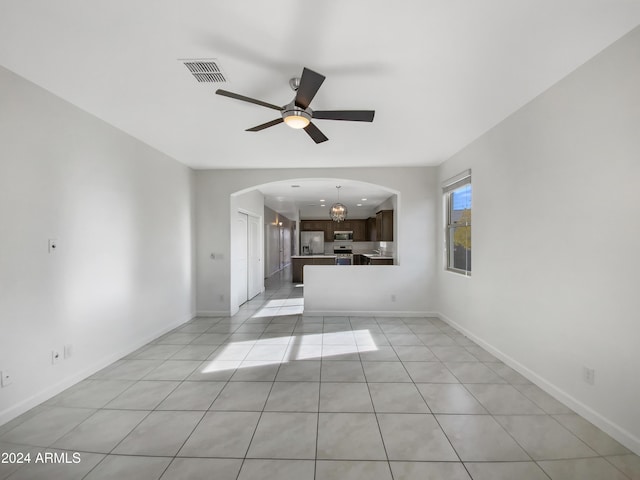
<point x="291" y="198"/>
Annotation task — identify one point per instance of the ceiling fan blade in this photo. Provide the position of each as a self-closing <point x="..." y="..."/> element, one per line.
<point x="265" y="125"/>
<point x="247" y="99"/>
<point x="309" y="84"/>
<point x="315" y="133"/>
<point x="350" y="115"/>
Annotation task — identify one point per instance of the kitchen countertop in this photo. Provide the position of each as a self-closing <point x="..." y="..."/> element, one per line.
<point x="329" y="255"/>
<point x="375" y="255"/>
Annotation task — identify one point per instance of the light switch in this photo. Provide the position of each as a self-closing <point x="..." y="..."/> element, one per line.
<point x="5" y="378"/>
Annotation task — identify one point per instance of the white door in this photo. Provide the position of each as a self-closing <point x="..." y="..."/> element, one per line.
<point x="286" y="247"/>
<point x="255" y="271"/>
<point x="242" y="263"/>
<point x="281" y="248"/>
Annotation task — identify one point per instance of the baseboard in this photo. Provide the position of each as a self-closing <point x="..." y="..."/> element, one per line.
<point x="366" y="313"/>
<point x="42" y="396"/>
<point x="620" y="434"/>
<point x="212" y="313"/>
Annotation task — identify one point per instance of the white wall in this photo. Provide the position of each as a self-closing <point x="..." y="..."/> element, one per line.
<point x="556" y="224"/>
<point x="413" y="281"/>
<point x="123" y="217"/>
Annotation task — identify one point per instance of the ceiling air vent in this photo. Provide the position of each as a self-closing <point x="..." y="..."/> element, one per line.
<point x="205" y="71"/>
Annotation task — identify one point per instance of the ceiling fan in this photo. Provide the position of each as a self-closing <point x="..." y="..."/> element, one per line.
<point x="297" y="114"/>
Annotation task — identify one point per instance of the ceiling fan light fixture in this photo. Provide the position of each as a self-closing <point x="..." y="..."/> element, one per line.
<point x="296" y="118"/>
<point x="297" y="114"/>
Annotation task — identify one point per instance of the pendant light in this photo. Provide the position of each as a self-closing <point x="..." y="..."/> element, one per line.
<point x="338" y="211"/>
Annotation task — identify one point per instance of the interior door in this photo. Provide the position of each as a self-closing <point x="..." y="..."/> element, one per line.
<point x="286" y="246"/>
<point x="255" y="272"/>
<point x="272" y="247"/>
<point x="281" y="247"/>
<point x="243" y="262"/>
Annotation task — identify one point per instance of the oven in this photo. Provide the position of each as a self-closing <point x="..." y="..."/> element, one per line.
<point x="343" y="236"/>
<point x="344" y="254"/>
<point x="344" y="259"/>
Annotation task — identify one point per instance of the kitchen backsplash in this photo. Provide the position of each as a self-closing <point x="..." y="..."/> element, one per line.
<point x="387" y="248"/>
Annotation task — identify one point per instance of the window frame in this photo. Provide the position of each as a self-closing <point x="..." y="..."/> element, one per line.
<point x="449" y="225"/>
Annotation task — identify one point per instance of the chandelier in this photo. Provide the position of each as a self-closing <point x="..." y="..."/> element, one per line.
<point x="338" y="211"/>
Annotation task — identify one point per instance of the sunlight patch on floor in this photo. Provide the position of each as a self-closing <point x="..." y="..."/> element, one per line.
<point x="281" y="306"/>
<point x="290" y="348"/>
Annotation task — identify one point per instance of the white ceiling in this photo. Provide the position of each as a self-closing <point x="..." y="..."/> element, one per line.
<point x="361" y="199"/>
<point x="439" y="73"/>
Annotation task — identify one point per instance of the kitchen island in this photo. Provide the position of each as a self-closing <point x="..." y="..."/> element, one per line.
<point x="299" y="261"/>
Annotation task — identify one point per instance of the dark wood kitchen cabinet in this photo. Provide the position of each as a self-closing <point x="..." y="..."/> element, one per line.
<point x="346" y="226"/>
<point x="312" y="225"/>
<point x="384" y="226"/>
<point x="359" y="230"/>
<point x="371" y="233"/>
<point x="358" y="227"/>
<point x="329" y="227"/>
<point x="381" y="261"/>
<point x="359" y="259"/>
<point x="296" y="269"/>
<point x="318" y="226"/>
<point x="298" y="263"/>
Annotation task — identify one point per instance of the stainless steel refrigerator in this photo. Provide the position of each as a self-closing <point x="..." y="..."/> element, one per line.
<point x="311" y="243"/>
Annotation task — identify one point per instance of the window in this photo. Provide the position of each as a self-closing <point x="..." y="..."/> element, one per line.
<point x="457" y="196"/>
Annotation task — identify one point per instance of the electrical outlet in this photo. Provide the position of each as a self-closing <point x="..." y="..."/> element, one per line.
<point x="55" y="356"/>
<point x="589" y="375"/>
<point x="221" y="297"/>
<point x="5" y="378"/>
<point x="53" y="245"/>
<point x="68" y="351"/>
<point x="393" y="297"/>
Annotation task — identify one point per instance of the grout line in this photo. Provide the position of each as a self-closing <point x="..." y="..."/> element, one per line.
<point x="315" y="463"/>
<point x="227" y="326"/>
<point x="261" y="412"/>
<point x="375" y="413"/>
<point x="145" y="417"/>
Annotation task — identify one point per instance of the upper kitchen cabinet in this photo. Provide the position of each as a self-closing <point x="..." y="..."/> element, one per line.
<point x="371" y="233"/>
<point x="325" y="226"/>
<point x="384" y="226"/>
<point x="312" y="225"/>
<point x="345" y="226"/>
<point x="329" y="227"/>
<point x="359" y="228"/>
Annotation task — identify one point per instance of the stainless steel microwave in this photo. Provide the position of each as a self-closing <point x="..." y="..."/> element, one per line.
<point x="344" y="236"/>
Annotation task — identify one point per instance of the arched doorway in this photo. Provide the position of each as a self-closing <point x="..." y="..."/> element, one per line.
<point x="294" y="199"/>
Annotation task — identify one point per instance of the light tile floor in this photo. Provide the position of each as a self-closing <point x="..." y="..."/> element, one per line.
<point x="272" y="394"/>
